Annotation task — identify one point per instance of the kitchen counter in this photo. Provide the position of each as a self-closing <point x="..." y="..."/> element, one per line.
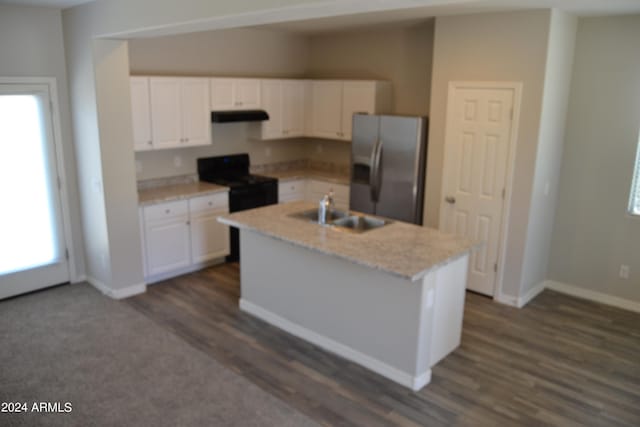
<point x="172" y="192"/>
<point x="404" y="250"/>
<point x="390" y="299"/>
<point x="293" y="174"/>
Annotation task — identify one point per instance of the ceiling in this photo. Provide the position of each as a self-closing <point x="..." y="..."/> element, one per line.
<point x="58" y="4"/>
<point x="355" y="14"/>
<point x="413" y="15"/>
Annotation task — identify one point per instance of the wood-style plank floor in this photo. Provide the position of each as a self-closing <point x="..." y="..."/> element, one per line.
<point x="559" y="361"/>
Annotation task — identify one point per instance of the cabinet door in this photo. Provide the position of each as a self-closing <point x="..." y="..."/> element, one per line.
<point x="221" y="94"/>
<point x="290" y="191"/>
<point x="326" y="105"/>
<point x="272" y="104"/>
<point x="196" y="113"/>
<point x="247" y="94"/>
<point x="141" y="113"/>
<point x="209" y="238"/>
<point x="167" y="245"/>
<point x="357" y="97"/>
<point x="293" y="108"/>
<point x="166" y="126"/>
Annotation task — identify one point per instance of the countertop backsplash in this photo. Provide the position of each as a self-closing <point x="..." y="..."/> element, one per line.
<point x="147" y="184"/>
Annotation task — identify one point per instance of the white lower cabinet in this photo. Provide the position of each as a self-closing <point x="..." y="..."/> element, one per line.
<point x="313" y="190"/>
<point x="291" y="191"/>
<point x="209" y="238"/>
<point x="183" y="235"/>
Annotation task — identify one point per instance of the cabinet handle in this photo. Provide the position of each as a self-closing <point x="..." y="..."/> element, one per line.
<point x="188" y="222"/>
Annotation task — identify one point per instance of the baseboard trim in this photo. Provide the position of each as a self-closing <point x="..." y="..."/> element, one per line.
<point x="127" y="292"/>
<point x="79" y="279"/>
<point x="394" y="374"/>
<point x="531" y="294"/>
<point x="590" y="295"/>
<point x="506" y="300"/>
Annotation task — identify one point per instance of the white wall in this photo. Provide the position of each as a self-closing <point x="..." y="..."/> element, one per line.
<point x="492" y="47"/>
<point x="593" y="235"/>
<point x="87" y="148"/>
<point x="31" y="45"/>
<point x="399" y="54"/>
<point x="236" y="52"/>
<point x="118" y="170"/>
<point x="98" y="70"/>
<point x="544" y="196"/>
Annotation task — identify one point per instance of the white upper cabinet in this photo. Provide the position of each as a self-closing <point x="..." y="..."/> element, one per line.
<point x="272" y="104"/>
<point x="284" y="101"/>
<point x="141" y="113"/>
<point x="166" y="117"/>
<point x="293" y="108"/>
<point x="333" y="104"/>
<point x="196" y="113"/>
<point x="179" y="111"/>
<point x="326" y="109"/>
<point x="234" y="94"/>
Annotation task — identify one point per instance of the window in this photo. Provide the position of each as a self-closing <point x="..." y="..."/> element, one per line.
<point x="634" y="199"/>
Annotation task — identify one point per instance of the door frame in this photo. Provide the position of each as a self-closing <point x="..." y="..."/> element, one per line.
<point x="63" y="190"/>
<point x="511" y="156"/>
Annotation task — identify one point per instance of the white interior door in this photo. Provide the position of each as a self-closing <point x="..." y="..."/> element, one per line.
<point x="32" y="244"/>
<point x="478" y="138"/>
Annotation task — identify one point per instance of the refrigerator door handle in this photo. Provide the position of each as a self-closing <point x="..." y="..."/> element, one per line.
<point x="372" y="169"/>
<point x="375" y="178"/>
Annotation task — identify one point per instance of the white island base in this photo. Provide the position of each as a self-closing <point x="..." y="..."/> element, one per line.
<point x="395" y="327"/>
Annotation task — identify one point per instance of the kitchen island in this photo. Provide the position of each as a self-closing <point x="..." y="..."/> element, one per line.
<point x="390" y="299"/>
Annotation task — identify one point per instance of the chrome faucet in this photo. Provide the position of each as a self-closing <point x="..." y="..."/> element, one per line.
<point x="325" y="209"/>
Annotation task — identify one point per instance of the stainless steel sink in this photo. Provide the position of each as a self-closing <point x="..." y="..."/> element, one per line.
<point x="343" y="221"/>
<point x="312" y="215"/>
<point x="360" y="223"/>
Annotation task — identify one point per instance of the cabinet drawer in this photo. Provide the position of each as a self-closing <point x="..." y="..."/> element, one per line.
<point x="217" y="201"/>
<point x="291" y="188"/>
<point x="166" y="210"/>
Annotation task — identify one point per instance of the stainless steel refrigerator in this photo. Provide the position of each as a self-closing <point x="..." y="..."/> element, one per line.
<point x="388" y="159"/>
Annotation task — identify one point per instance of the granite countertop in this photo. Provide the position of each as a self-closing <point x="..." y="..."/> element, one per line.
<point x="292" y="174"/>
<point x="404" y="250"/>
<point x="172" y="192"/>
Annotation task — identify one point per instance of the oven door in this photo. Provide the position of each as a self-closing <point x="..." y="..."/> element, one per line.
<point x="253" y="196"/>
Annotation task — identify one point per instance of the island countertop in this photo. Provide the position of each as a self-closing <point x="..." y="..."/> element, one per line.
<point x="404" y="250"/>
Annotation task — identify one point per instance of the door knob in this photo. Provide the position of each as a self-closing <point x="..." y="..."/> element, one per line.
<point x="450" y="199"/>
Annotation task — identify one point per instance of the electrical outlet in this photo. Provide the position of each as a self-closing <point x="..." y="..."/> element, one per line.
<point x="138" y="167"/>
<point x="624" y="271"/>
<point x="267" y="151"/>
<point x="319" y="148"/>
<point x="177" y="161"/>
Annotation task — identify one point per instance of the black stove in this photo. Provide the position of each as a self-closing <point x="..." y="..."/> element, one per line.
<point x="246" y="191"/>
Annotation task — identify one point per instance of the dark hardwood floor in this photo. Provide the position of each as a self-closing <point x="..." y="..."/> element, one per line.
<point x="559" y="361"/>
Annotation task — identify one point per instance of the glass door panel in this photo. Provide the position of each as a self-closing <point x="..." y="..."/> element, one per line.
<point x="32" y="247"/>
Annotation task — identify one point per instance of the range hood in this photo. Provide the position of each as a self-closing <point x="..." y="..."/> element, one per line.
<point x="239" y="116"/>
